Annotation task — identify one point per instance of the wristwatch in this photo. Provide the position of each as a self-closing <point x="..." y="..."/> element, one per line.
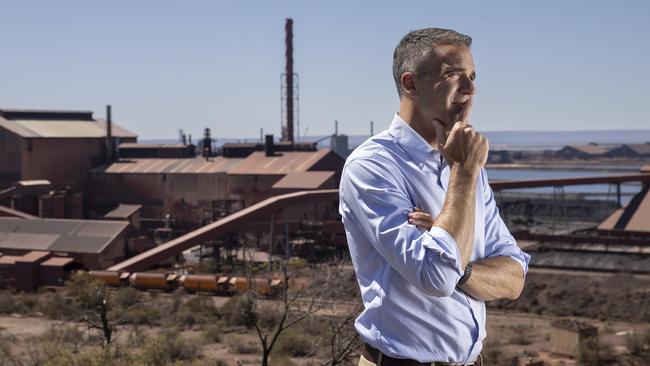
<point x="468" y="272"/>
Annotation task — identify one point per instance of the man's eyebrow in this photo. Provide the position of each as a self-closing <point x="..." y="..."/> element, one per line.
<point x="447" y="68"/>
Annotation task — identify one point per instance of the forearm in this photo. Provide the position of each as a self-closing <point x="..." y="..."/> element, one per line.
<point x="457" y="215"/>
<point x="495" y="278"/>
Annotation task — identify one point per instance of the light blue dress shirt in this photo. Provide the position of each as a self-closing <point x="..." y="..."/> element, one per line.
<point x="408" y="276"/>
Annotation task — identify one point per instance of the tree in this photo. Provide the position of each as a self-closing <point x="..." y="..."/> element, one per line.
<point x="339" y="337"/>
<point x="291" y="312"/>
<point x="92" y="297"/>
<point x="342" y="339"/>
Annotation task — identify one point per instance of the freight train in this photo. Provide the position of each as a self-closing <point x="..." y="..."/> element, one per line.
<point x="192" y="283"/>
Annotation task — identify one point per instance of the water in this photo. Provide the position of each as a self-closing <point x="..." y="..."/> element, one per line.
<point x="593" y="191"/>
<point x="538" y="140"/>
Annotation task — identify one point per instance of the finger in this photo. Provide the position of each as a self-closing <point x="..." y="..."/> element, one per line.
<point x="441" y="134"/>
<point x="467" y="109"/>
<point x="420" y="215"/>
<point x="420" y="222"/>
<point x="417" y="209"/>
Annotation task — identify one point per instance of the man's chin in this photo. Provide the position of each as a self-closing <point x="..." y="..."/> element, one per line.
<point x="446" y="124"/>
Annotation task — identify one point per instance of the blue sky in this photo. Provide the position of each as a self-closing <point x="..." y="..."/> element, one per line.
<point x="165" y="65"/>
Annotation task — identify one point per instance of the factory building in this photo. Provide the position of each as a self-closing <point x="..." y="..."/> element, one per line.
<point x="91" y="244"/>
<point x="200" y="190"/>
<point x="59" y="146"/>
<point x="253" y="178"/>
<point x="180" y="187"/>
<point x="36" y="268"/>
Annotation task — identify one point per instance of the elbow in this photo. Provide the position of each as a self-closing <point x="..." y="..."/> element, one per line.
<point x="516" y="289"/>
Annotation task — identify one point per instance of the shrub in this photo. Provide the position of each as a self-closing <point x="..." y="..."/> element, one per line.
<point x="54" y="354"/>
<point x="316" y="326"/>
<point x="68" y="335"/>
<point x="293" y="343"/>
<point x="237" y="311"/>
<point x="15" y="302"/>
<point x="269" y="318"/>
<point x="197" y="310"/>
<point x="243" y="345"/>
<point x="167" y="348"/>
<point x="213" y="334"/>
<point x="297" y="263"/>
<point x="142" y="315"/>
<point x="87" y="290"/>
<point x="281" y="360"/>
<point x="5" y="348"/>
<point x="57" y="306"/>
<point x="125" y="298"/>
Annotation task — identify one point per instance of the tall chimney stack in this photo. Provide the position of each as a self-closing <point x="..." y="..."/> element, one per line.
<point x="109" y="135"/>
<point x="207" y="143"/>
<point x="288" y="28"/>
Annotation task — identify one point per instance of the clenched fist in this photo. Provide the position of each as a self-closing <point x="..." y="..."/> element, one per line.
<point x="463" y="146"/>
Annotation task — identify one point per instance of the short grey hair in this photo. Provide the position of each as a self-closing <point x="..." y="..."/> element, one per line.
<point x="414" y="51"/>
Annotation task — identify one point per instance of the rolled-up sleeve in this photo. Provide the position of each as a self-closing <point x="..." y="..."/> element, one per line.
<point x="375" y="205"/>
<point x="498" y="240"/>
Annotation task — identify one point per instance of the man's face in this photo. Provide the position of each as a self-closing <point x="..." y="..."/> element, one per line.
<point x="449" y="86"/>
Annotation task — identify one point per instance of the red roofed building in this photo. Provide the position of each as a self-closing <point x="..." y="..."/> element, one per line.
<point x="60" y="146"/>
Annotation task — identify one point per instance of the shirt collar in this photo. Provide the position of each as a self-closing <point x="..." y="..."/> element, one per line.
<point x="411" y="141"/>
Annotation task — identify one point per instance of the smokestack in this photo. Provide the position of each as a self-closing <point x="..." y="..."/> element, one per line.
<point x="207" y="143"/>
<point x="372" y="128"/>
<point x="336" y="128"/>
<point x="181" y="137"/>
<point x="269" y="148"/>
<point x="109" y="135"/>
<point x="288" y="28"/>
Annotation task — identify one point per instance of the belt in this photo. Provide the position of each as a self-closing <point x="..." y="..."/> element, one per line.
<point x="375" y="356"/>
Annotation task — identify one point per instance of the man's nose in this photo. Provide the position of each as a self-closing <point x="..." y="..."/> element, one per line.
<point x="467" y="86"/>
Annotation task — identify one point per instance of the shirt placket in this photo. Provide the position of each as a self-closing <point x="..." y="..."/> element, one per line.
<point x="475" y="344"/>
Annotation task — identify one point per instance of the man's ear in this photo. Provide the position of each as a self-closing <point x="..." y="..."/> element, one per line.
<point x="408" y="83"/>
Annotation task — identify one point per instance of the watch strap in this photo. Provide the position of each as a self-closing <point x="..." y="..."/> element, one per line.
<point x="465" y="277"/>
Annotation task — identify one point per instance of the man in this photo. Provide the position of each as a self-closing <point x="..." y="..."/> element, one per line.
<point x="424" y="290"/>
